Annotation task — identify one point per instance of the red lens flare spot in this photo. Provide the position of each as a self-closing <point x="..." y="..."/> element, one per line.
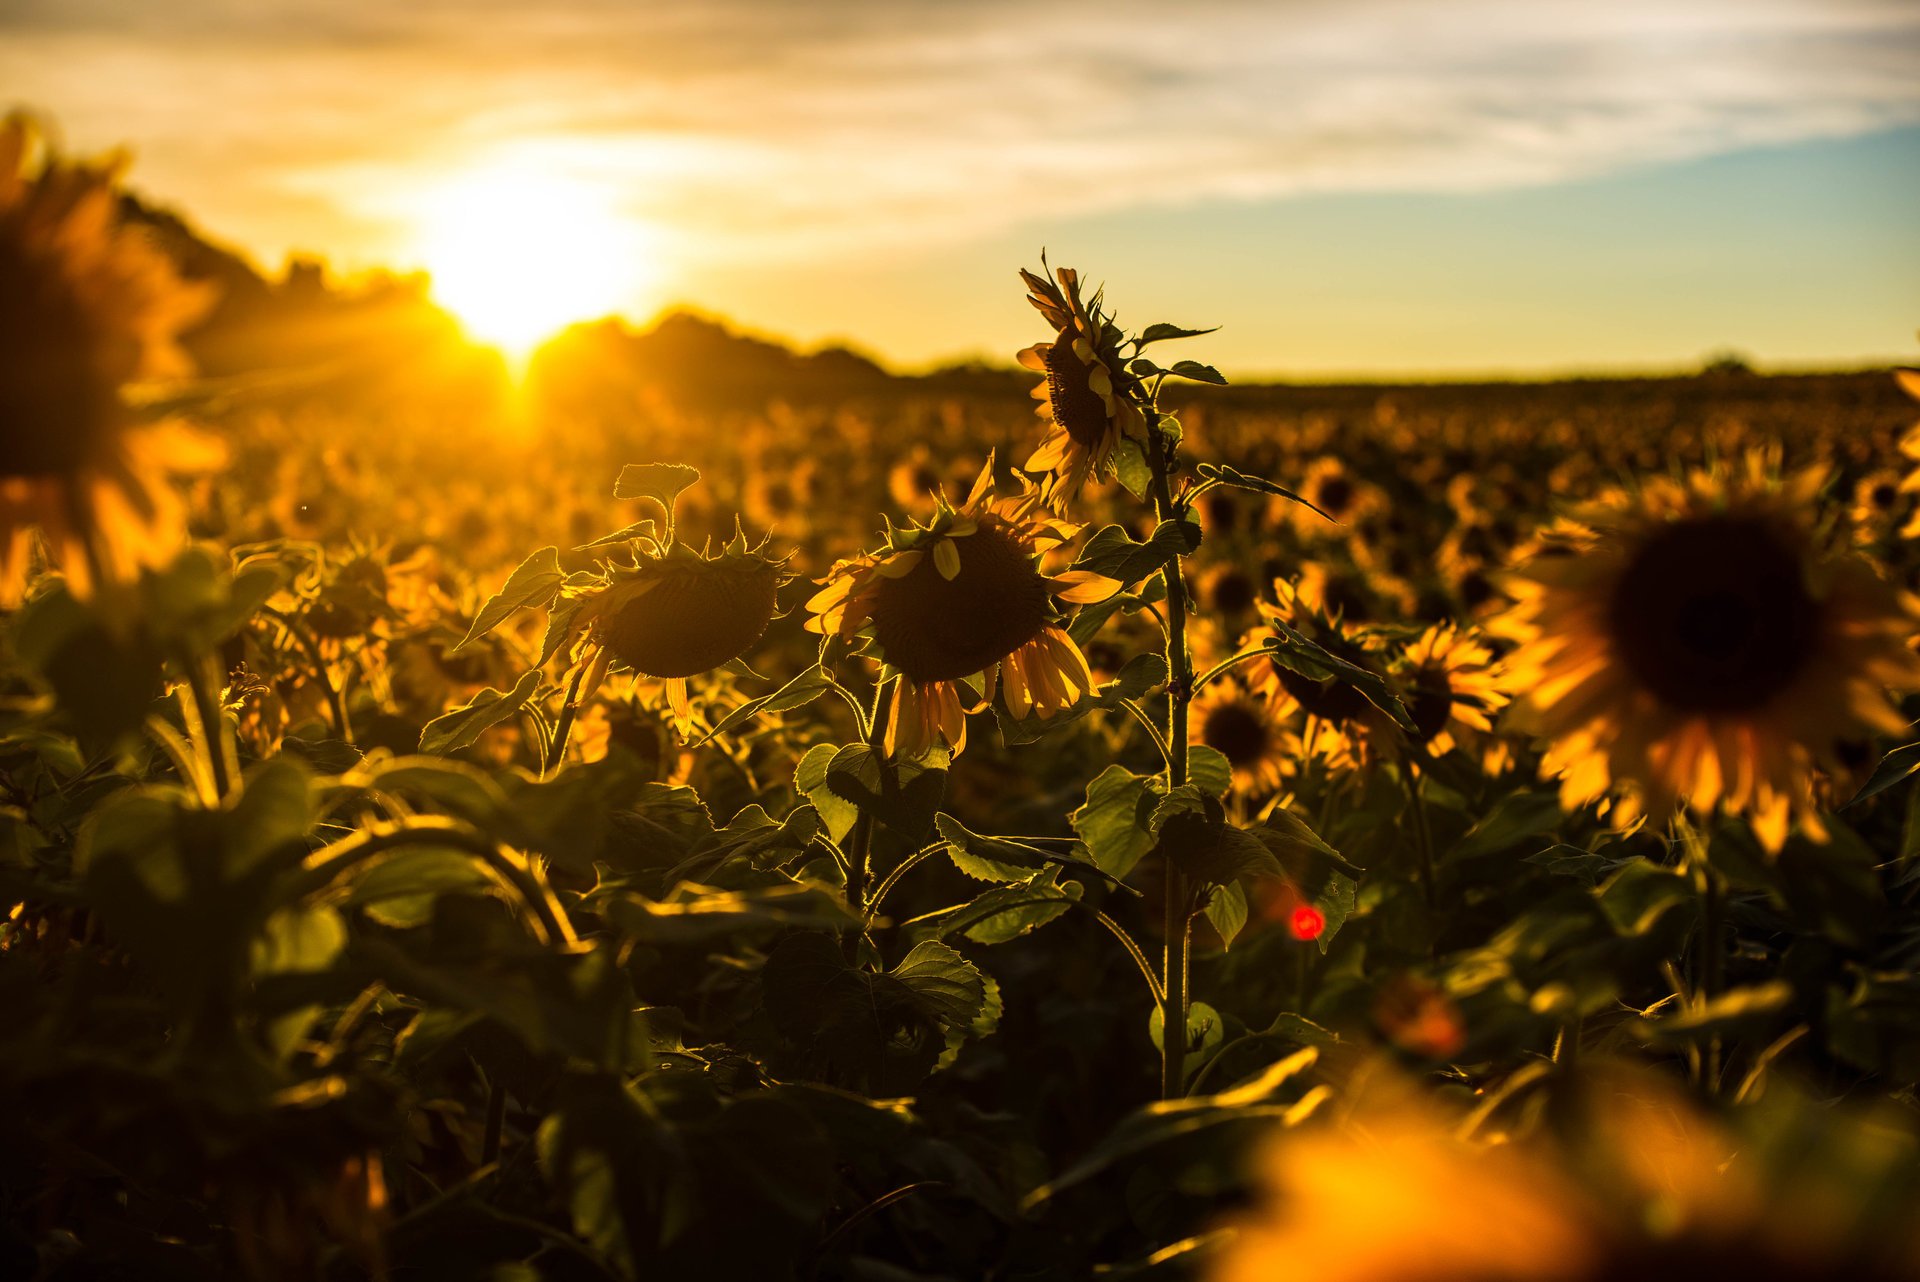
<point x="1307" y="922"/>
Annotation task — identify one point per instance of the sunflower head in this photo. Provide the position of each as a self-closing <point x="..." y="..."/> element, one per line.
<point x="1240" y="726"/>
<point x="88" y="306"/>
<point x="1700" y="647"/>
<point x="1088" y="398"/>
<point x="678" y="613"/>
<point x="962" y="595"/>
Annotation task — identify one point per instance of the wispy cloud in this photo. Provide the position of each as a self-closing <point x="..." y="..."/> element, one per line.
<point x="771" y="131"/>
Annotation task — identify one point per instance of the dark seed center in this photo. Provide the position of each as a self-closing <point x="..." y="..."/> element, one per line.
<point x="938" y="629"/>
<point x="1237" y="732"/>
<point x="1713" y="614"/>
<point x="1076" y="407"/>
<point x="58" y="402"/>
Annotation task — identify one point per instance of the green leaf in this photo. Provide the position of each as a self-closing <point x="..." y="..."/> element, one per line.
<point x="1116" y="819"/>
<point x="535" y="582"/>
<point x="810" y="780"/>
<point x="1195" y="837"/>
<point x="1205" y="1031"/>
<point x="104" y="677"/>
<point x="998" y="858"/>
<point x="1224" y="475"/>
<point x="1198" y="373"/>
<point x="1009" y="911"/>
<point x="660" y="482"/>
<point x="619" y="1167"/>
<point x="1894" y="768"/>
<point x="400" y="891"/>
<point x="462" y="727"/>
<point x="695" y="914"/>
<point x="1295" y="652"/>
<point x="1750" y="1010"/>
<point x="1130" y="463"/>
<point x="1253" y="1107"/>
<point x="1209" y="768"/>
<point x="1519" y="818"/>
<point x="1113" y="553"/>
<point x="1160" y="332"/>
<point x="1227" y="911"/>
<point x="1315" y="870"/>
<point x="797" y="693"/>
<point x="880" y="1033"/>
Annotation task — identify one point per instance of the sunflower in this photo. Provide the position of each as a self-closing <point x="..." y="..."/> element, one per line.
<point x="1451" y="687"/>
<point x="1241" y="727"/>
<point x="1641" y="1184"/>
<point x="1878" y="506"/>
<point x="1339" y="719"/>
<point x="1329" y="486"/>
<point x="1690" y="643"/>
<point x="1085" y="398"/>
<point x="962" y="597"/>
<point x="88" y="306"/>
<point x="673" y="613"/>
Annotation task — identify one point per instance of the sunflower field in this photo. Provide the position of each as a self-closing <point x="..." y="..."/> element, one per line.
<point x="782" y="821"/>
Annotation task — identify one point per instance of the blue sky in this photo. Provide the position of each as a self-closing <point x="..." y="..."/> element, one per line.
<point x="1380" y="186"/>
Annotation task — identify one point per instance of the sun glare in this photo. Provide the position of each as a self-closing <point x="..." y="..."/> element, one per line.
<point x="518" y="252"/>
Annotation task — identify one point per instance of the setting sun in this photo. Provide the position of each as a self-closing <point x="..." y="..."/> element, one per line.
<point x="518" y="251"/>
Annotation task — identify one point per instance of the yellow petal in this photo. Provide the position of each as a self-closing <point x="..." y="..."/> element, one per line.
<point x="946" y="559"/>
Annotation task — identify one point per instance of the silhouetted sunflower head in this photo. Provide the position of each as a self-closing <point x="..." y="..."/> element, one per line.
<point x="963" y="596"/>
<point x="1087" y="397"/>
<point x="89" y="306"/>
<point x="1697" y="647"/>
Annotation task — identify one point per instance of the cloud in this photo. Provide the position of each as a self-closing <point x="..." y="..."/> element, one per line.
<point x="772" y="132"/>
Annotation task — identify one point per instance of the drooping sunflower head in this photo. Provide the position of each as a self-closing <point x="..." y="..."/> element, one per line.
<point x="679" y="613"/>
<point x="1698" y="647"/>
<point x="1088" y="397"/>
<point x="963" y="596"/>
<point x="88" y="306"/>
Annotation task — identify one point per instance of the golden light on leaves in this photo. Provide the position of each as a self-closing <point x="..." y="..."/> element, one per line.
<point x="519" y="248"/>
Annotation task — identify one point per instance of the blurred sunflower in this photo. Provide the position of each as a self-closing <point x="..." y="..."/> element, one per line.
<point x="673" y="613"/>
<point x="1231" y="720"/>
<point x="1879" y="504"/>
<point x="1084" y="398"/>
<point x="88" y="306"/>
<point x="962" y="597"/>
<point x="1642" y="1185"/>
<point x="1690" y="642"/>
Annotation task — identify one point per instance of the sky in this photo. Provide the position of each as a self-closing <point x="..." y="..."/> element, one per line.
<point x="1361" y="186"/>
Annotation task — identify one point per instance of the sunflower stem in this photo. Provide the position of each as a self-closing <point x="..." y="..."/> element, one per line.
<point x="1177" y="909"/>
<point x="222" y="765"/>
<point x="563" y="729"/>
<point x="859" y="850"/>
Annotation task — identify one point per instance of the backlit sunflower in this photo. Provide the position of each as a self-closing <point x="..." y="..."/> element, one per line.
<point x="673" y="613"/>
<point x="1451" y="688"/>
<point x="1241" y="727"/>
<point x="88" y="306"/>
<point x="1688" y="641"/>
<point x="963" y="597"/>
<point x="1085" y="396"/>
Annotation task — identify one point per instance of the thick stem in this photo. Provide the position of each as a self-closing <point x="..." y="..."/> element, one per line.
<point x="221" y="763"/>
<point x="1178" y="906"/>
<point x="860" y="848"/>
